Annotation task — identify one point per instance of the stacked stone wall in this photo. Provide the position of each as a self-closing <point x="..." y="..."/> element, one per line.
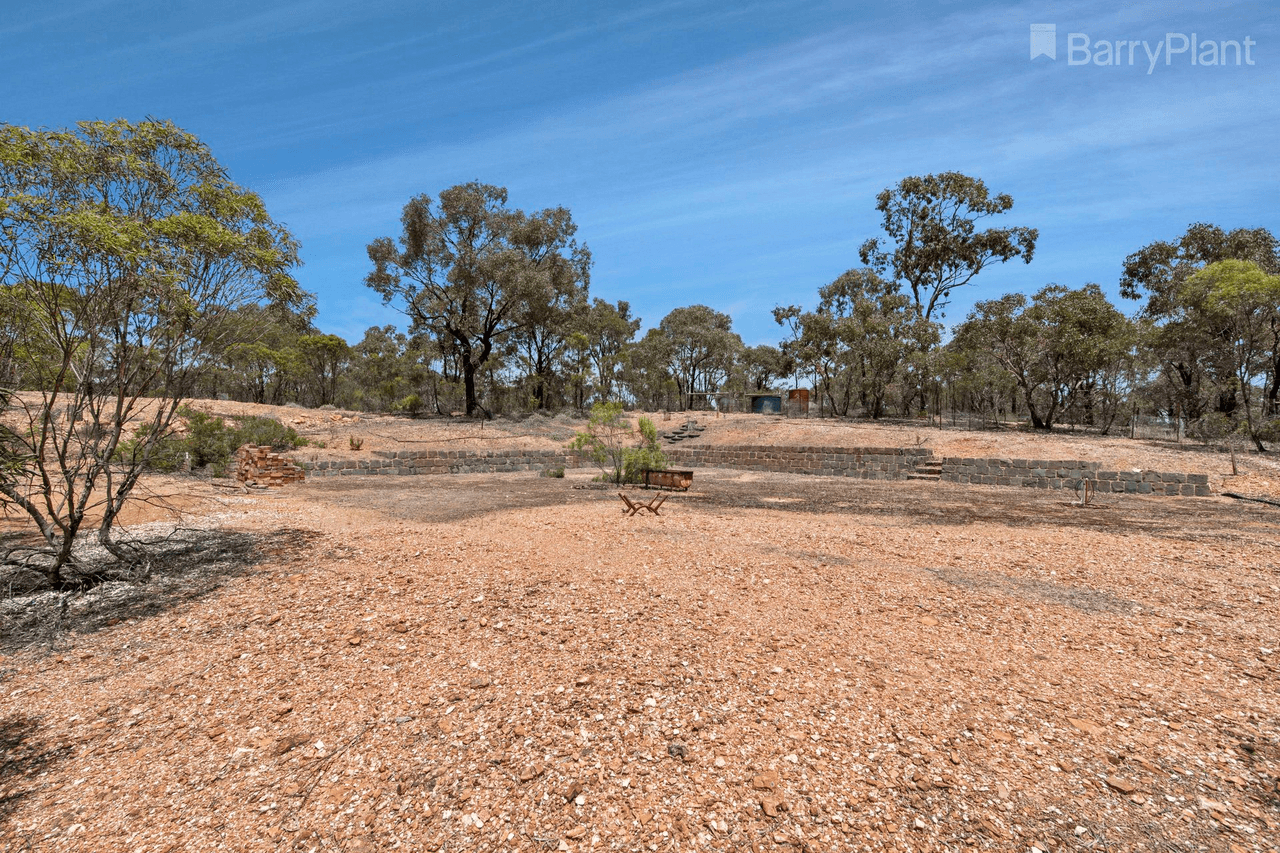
<point x="1068" y="474"/>
<point x="410" y="462"/>
<point x="866" y="463"/>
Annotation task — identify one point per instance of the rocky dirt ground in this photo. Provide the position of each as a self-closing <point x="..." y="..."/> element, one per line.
<point x="776" y="662"/>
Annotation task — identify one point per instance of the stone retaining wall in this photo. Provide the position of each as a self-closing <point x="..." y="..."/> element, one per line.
<point x="1068" y="473"/>
<point x="408" y="462"/>
<point x="866" y="463"/>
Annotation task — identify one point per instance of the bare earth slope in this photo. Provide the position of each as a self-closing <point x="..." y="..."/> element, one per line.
<point x="1258" y="475"/>
<point x="777" y="662"/>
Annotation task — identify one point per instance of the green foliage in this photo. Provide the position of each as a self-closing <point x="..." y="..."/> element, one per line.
<point x="647" y="457"/>
<point x="208" y="439"/>
<point x="1213" y="428"/>
<point x="646" y="371"/>
<point x="472" y="273"/>
<point x="701" y="349"/>
<point x="1062" y="349"/>
<point x="267" y="432"/>
<point x="387" y="367"/>
<point x="125" y="251"/>
<point x="1199" y="361"/>
<point x="207" y="442"/>
<point x="164" y="454"/>
<point x="556" y="473"/>
<point x="1159" y="270"/>
<point x="411" y="405"/>
<point x="933" y="245"/>
<point x="603" y="439"/>
<point x="1268" y="431"/>
<point x="604" y="332"/>
<point x="864" y="334"/>
<point x="1233" y="307"/>
<point x="608" y="441"/>
<point x="762" y="365"/>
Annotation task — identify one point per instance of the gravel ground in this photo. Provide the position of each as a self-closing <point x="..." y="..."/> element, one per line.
<point x="773" y="663"/>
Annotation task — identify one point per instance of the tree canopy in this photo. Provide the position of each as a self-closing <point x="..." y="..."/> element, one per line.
<point x="933" y="244"/>
<point x="861" y="337"/>
<point x="1059" y="347"/>
<point x="124" y="251"/>
<point x="470" y="270"/>
<point x="701" y="349"/>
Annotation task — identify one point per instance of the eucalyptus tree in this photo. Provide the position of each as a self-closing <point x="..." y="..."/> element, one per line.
<point x="124" y="250"/>
<point x="323" y="359"/>
<point x="701" y="349"/>
<point x="1056" y="347"/>
<point x="1235" y="307"/>
<point x="762" y="365"/>
<point x="862" y="336"/>
<point x="1157" y="274"/>
<point x="933" y="245"/>
<point x="544" y="345"/>
<point x="468" y="270"/>
<point x="607" y="329"/>
<point x="646" y="371"/>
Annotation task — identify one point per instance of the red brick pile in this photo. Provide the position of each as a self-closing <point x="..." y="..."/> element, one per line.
<point x="258" y="466"/>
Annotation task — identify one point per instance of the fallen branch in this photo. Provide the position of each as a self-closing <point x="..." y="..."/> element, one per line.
<point x="324" y="765"/>
<point x="1246" y="498"/>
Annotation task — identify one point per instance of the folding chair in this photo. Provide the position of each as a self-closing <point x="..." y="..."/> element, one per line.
<point x="632" y="507"/>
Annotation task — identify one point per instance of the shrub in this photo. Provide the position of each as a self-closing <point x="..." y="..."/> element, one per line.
<point x="209" y="441"/>
<point x="1269" y="431"/>
<point x="607" y="443"/>
<point x="411" y="405"/>
<point x="556" y="473"/>
<point x="647" y="457"/>
<point x="167" y="456"/>
<point x="266" y="432"/>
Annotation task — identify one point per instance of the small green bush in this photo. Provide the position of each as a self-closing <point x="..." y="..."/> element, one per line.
<point x="606" y="442"/>
<point x="647" y="457"/>
<point x="266" y="432"/>
<point x="556" y="473"/>
<point x="209" y="441"/>
<point x="166" y="454"/>
<point x="411" y="405"/>
<point x="1269" y="431"/>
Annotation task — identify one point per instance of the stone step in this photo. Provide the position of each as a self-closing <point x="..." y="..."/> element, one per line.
<point x="923" y="476"/>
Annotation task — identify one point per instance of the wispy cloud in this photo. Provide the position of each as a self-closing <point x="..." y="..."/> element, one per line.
<point x="727" y="154"/>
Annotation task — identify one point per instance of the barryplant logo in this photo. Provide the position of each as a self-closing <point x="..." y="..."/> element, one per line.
<point x="1174" y="47"/>
<point x="1044" y="40"/>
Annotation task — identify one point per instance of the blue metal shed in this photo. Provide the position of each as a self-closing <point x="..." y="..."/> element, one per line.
<point x="766" y="404"/>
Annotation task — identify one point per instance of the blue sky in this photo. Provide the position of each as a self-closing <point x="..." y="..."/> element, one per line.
<point x="722" y="153"/>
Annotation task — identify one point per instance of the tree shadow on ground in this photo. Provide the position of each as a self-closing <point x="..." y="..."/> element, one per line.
<point x="182" y="566"/>
<point x="1035" y="590"/>
<point x="22" y="756"/>
<point x="944" y="505"/>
